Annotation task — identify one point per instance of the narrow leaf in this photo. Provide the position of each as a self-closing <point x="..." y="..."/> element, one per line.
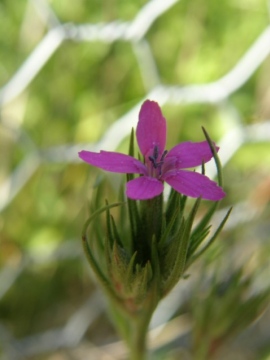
<point x="168" y="229"/>
<point x="115" y="232"/>
<point x="205" y="220"/>
<point x="91" y="258"/>
<point x="213" y="238"/>
<point x="196" y="241"/>
<point x="109" y="227"/>
<point x="180" y="263"/>
<point x="215" y="155"/>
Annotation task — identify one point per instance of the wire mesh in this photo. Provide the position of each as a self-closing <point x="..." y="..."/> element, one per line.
<point x="135" y="33"/>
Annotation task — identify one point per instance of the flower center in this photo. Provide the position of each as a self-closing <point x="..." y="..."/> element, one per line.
<point x="157" y="162"/>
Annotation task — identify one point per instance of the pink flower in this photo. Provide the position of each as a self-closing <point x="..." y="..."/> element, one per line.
<point x="159" y="164"/>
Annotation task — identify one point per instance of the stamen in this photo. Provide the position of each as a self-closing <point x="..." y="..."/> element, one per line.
<point x="153" y="161"/>
<point x="155" y="155"/>
<point x="153" y="158"/>
<point x="163" y="155"/>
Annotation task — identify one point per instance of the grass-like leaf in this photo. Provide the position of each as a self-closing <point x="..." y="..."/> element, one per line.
<point x="179" y="266"/>
<point x="212" y="239"/>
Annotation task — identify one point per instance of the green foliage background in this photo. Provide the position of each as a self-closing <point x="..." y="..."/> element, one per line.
<point x="78" y="94"/>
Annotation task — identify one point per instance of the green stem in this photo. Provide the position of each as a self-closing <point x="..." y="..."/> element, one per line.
<point x="138" y="345"/>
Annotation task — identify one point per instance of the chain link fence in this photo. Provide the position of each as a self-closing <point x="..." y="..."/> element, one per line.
<point x="217" y="93"/>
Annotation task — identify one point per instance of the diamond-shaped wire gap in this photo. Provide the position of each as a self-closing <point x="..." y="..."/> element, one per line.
<point x="27" y="166"/>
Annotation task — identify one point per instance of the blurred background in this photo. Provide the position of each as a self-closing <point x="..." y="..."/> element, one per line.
<point x="73" y="75"/>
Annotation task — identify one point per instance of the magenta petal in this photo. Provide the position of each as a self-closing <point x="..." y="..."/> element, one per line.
<point x="190" y="154"/>
<point x="151" y="129"/>
<point x="143" y="188"/>
<point x="113" y="161"/>
<point x="194" y="185"/>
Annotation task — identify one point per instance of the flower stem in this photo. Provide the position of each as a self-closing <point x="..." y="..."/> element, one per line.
<point x="138" y="346"/>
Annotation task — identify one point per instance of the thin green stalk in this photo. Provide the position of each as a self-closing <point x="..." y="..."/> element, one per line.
<point x="138" y="344"/>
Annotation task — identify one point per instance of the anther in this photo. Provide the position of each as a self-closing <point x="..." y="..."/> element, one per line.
<point x="153" y="161"/>
<point x="153" y="158"/>
<point x="163" y="155"/>
<point x="155" y="155"/>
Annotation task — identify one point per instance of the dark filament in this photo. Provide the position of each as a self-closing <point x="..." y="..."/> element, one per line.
<point x="154" y="158"/>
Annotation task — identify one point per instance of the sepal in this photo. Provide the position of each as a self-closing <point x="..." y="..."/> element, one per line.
<point x="130" y="279"/>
